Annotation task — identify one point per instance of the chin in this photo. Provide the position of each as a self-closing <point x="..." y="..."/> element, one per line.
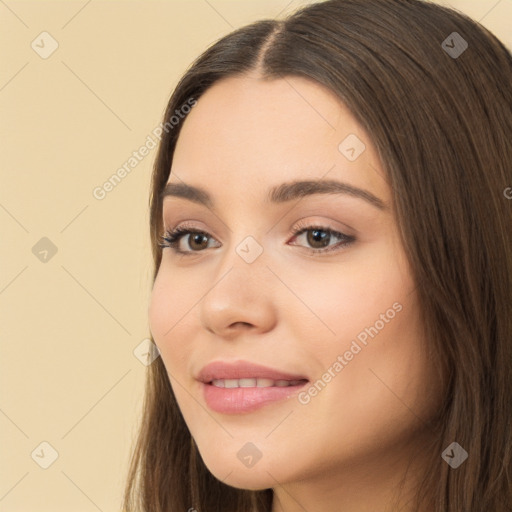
<point x="245" y="479"/>
<point x="240" y="477"/>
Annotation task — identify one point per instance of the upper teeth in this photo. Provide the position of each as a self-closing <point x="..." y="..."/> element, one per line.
<point x="253" y="383"/>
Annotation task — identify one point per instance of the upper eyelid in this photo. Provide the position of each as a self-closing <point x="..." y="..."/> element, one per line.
<point x="186" y="229"/>
<point x="324" y="224"/>
<point x="169" y="210"/>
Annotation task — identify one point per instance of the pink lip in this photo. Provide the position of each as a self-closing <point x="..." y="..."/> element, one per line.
<point x="241" y="400"/>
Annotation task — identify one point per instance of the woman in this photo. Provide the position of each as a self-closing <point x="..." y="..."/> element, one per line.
<point x="333" y="270"/>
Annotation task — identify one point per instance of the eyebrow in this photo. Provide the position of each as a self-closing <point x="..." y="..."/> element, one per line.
<point x="279" y="194"/>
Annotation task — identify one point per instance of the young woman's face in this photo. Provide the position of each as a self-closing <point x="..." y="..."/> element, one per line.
<point x="314" y="286"/>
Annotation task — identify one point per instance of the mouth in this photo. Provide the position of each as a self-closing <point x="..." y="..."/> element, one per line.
<point x="242" y="387"/>
<point x="255" y="383"/>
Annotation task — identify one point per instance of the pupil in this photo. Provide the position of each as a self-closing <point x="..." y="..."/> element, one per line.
<point x="318" y="235"/>
<point x="197" y="238"/>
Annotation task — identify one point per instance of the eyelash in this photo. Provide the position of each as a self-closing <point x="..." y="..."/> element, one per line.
<point x="172" y="238"/>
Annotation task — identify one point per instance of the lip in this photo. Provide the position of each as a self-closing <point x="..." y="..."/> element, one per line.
<point x="244" y="400"/>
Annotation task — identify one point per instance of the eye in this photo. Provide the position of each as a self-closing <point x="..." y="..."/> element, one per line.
<point x="197" y="241"/>
<point x="319" y="238"/>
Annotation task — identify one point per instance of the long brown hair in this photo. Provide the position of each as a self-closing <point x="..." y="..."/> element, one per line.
<point x="440" y="115"/>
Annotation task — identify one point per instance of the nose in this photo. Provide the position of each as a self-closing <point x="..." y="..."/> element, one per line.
<point x="240" y="298"/>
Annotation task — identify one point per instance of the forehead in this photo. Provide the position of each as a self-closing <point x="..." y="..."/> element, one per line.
<point x="248" y="133"/>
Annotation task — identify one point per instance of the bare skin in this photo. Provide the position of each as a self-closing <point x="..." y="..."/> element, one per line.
<point x="294" y="308"/>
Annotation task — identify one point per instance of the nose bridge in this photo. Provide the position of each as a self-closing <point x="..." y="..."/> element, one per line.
<point x="245" y="254"/>
<point x="244" y="266"/>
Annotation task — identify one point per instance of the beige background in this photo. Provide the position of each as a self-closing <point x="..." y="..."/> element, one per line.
<point x="69" y="324"/>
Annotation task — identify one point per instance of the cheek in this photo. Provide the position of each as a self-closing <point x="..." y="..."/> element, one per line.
<point x="170" y="315"/>
<point x="384" y="372"/>
<point x="387" y="377"/>
<point x="375" y="400"/>
<point x="344" y="300"/>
